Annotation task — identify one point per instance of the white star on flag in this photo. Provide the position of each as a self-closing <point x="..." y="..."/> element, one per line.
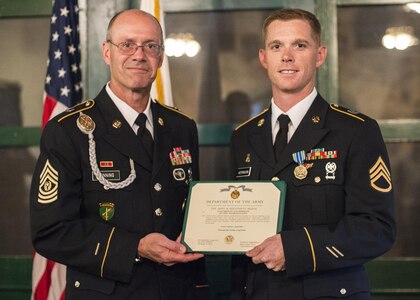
<point x="67" y="30"/>
<point x="57" y="54"/>
<point x="61" y="73"/>
<point x="64" y="91"/>
<point x="71" y="49"/>
<point x="64" y="11"/>
<point x="55" y="36"/>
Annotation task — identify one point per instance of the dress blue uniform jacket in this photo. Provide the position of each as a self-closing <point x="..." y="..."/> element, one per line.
<point x="95" y="231"/>
<point x="340" y="216"/>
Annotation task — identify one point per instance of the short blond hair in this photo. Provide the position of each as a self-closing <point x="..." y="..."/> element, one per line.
<point x="288" y="14"/>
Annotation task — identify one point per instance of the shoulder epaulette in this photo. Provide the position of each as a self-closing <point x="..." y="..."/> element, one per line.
<point x="346" y="111"/>
<point x="175" y="109"/>
<point x="253" y="118"/>
<point x="85" y="105"/>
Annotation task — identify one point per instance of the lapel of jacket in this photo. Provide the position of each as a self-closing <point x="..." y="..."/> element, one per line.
<point x="261" y="139"/>
<point x="121" y="137"/>
<point x="164" y="131"/>
<point x="310" y="131"/>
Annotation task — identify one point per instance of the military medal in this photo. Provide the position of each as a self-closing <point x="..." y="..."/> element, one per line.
<point x="300" y="171"/>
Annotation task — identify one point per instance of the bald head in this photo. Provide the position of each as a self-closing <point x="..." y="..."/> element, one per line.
<point x="126" y="15"/>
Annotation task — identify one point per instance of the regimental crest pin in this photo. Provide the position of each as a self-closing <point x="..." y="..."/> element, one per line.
<point x="116" y="124"/>
<point x="48" y="184"/>
<point x="380" y="177"/>
<point x="85" y="123"/>
<point x="106" y="210"/>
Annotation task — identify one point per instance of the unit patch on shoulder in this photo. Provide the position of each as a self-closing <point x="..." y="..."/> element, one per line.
<point x="48" y="184"/>
<point x="346" y="111"/>
<point x="85" y="105"/>
<point x="380" y="177"/>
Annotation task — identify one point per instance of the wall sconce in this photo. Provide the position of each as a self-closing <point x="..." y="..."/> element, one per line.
<point x="413" y="7"/>
<point x="177" y="45"/>
<point x="399" y="38"/>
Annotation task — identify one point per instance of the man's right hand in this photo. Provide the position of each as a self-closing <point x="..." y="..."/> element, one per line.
<point x="158" y="248"/>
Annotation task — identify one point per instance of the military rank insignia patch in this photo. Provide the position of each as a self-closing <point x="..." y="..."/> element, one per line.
<point x="48" y="184"/>
<point x="380" y="177"/>
<point x="106" y="210"/>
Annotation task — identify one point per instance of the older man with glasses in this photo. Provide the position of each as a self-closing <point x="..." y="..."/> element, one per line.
<point x="110" y="185"/>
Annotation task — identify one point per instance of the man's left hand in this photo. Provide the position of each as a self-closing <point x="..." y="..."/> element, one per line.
<point x="270" y="252"/>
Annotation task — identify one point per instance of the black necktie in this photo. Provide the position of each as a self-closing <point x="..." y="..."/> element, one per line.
<point x="144" y="134"/>
<point x="281" y="137"/>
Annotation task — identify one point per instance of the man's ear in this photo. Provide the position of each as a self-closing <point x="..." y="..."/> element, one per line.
<point x="321" y="56"/>
<point x="263" y="58"/>
<point x="105" y="52"/>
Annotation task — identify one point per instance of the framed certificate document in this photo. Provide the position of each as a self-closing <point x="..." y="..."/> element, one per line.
<point x="231" y="217"/>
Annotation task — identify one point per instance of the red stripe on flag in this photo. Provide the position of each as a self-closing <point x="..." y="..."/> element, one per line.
<point x="43" y="286"/>
<point x="49" y="105"/>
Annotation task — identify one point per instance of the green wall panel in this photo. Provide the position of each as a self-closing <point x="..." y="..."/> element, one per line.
<point x="25" y="8"/>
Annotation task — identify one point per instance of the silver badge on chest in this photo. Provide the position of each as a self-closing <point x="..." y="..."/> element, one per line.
<point x="330" y="169"/>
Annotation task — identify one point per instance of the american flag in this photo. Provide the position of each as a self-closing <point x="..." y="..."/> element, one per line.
<point x="63" y="82"/>
<point x="63" y="89"/>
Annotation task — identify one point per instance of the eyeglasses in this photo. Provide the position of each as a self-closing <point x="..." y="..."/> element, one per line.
<point x="129" y="48"/>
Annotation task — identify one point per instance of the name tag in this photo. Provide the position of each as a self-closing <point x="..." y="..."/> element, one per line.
<point x="111" y="175"/>
<point x="243" y="172"/>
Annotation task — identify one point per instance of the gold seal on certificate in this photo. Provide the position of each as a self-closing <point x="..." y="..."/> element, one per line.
<point x="232" y="217"/>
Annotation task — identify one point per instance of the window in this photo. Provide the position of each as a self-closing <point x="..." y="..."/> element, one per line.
<point x="379" y="75"/>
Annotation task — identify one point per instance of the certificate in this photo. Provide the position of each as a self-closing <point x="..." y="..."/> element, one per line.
<point x="232" y="217"/>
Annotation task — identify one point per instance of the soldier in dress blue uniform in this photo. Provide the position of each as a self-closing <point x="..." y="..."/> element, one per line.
<point x="108" y="192"/>
<point x="339" y="209"/>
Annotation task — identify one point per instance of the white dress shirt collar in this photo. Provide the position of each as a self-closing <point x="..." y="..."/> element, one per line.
<point x="296" y="114"/>
<point x="129" y="114"/>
